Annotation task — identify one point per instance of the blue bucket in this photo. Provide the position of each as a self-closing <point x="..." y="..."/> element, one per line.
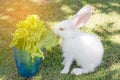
<point x="25" y="66"/>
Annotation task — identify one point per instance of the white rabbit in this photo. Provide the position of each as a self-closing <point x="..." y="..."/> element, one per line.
<point x="84" y="48"/>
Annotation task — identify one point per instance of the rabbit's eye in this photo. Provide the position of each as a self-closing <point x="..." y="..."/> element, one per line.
<point x="61" y="29"/>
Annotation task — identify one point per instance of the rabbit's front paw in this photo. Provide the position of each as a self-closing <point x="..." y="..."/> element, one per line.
<point x="64" y="71"/>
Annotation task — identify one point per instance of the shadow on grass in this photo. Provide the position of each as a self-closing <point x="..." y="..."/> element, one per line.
<point x="104" y="6"/>
<point x="53" y="11"/>
<point x="19" y="10"/>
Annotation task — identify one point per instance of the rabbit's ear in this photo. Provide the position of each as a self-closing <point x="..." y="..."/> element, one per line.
<point x="82" y="17"/>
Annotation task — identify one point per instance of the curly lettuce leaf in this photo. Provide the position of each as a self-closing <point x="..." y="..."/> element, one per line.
<point x="30" y="33"/>
<point x="48" y="41"/>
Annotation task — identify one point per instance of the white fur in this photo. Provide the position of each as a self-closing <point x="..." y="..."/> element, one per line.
<point x="84" y="48"/>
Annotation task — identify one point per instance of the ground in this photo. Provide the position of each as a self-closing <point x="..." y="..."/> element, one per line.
<point x="105" y="23"/>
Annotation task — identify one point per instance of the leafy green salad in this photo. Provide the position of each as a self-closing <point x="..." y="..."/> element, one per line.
<point x="32" y="36"/>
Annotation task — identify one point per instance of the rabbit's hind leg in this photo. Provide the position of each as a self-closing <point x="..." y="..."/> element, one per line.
<point x="79" y="71"/>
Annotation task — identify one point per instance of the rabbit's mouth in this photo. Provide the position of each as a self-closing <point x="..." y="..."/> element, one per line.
<point x="58" y="35"/>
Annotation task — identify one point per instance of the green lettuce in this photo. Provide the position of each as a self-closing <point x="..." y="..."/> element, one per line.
<point x="32" y="36"/>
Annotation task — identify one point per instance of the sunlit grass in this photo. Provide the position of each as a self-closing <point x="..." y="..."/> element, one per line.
<point x="105" y="23"/>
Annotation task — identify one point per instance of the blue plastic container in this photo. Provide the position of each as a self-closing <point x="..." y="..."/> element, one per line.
<point x="25" y="66"/>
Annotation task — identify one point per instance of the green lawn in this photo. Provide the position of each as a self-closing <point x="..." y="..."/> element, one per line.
<point x="105" y="23"/>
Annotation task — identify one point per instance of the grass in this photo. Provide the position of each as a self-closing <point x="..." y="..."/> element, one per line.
<point x="105" y="23"/>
